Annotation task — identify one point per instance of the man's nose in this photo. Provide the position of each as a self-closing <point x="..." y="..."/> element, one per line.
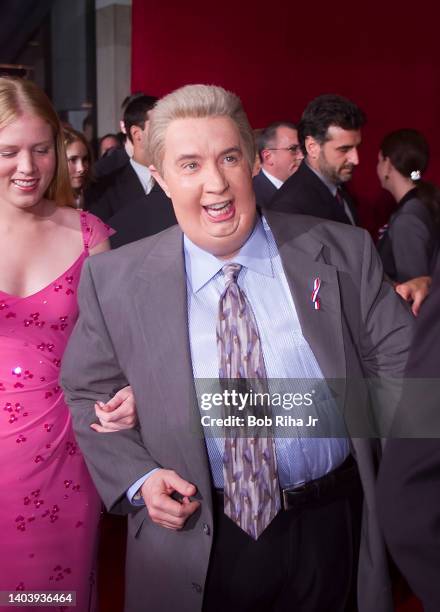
<point x="215" y="179"/>
<point x="353" y="157"/>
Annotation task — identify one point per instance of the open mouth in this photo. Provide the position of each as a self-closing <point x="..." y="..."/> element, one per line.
<point x="25" y="184"/>
<point x="220" y="211"/>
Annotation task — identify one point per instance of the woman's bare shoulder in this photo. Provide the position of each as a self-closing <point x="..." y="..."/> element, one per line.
<point x="67" y="216"/>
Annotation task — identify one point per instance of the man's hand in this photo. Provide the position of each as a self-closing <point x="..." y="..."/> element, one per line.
<point x="415" y="291"/>
<point x="162" y="508"/>
<point x="118" y="413"/>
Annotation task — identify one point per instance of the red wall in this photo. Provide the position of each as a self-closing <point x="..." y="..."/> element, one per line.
<point x="386" y="57"/>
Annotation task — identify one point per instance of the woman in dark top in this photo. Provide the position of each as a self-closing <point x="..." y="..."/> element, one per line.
<point x="408" y="243"/>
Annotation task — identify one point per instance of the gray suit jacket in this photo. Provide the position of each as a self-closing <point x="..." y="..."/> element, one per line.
<point x="409" y="246"/>
<point x="133" y="328"/>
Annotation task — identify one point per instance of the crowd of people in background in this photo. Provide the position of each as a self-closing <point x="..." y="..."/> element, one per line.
<point x="407" y="243"/>
<point x="60" y="202"/>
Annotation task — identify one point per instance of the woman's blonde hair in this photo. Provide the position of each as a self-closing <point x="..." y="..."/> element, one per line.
<point x="19" y="96"/>
<point x="197" y="101"/>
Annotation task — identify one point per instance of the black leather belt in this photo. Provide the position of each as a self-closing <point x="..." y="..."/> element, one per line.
<point x="337" y="483"/>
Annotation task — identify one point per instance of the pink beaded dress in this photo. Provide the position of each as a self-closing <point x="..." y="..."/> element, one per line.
<point x="49" y="508"/>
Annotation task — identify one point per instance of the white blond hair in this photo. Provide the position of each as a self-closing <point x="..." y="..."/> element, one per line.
<point x="197" y="102"/>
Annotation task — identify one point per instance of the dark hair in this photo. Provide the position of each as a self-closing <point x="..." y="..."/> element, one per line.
<point x="325" y="111"/>
<point x="429" y="195"/>
<point x="126" y="101"/>
<point x="112" y="135"/>
<point x="408" y="151"/>
<point x="117" y="137"/>
<point x="267" y="136"/>
<point x="119" y="143"/>
<point x="136" y="112"/>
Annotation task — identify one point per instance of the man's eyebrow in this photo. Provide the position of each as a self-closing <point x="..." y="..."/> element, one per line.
<point x="231" y="150"/>
<point x="185" y="156"/>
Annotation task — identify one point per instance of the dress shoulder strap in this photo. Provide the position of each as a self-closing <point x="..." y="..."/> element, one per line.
<point x="94" y="231"/>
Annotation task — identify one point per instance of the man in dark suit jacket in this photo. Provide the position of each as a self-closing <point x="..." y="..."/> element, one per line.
<point x="280" y="156"/>
<point x="330" y="134"/>
<point x="148" y="315"/>
<point x="120" y="156"/>
<point x="129" y="199"/>
<point x="409" y="479"/>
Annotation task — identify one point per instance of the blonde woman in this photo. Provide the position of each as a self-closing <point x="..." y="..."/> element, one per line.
<point x="49" y="508"/>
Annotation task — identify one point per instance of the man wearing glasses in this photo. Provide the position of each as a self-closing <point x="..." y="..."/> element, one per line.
<point x="329" y="133"/>
<point x="280" y="157"/>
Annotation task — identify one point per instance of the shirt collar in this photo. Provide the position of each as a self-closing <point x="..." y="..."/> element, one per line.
<point x="273" y="179"/>
<point x="201" y="266"/>
<point x="144" y="175"/>
<point x="331" y="186"/>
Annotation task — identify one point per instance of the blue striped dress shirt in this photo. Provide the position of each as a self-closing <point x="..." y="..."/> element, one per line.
<point x="286" y="353"/>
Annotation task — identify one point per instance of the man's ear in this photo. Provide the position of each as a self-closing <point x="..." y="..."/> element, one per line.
<point x="159" y="179"/>
<point x="135" y="133"/>
<point x="313" y="147"/>
<point x="267" y="156"/>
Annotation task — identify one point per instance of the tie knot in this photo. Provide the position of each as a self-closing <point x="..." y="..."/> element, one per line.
<point x="231" y="272"/>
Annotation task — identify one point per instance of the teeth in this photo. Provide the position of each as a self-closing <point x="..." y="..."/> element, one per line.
<point x="216" y="210"/>
<point x="218" y="206"/>
<point x="24" y="183"/>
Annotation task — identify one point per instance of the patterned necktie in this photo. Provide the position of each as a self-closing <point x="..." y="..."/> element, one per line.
<point x="251" y="488"/>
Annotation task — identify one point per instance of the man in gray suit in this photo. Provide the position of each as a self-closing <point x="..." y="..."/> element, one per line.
<point x="321" y="315"/>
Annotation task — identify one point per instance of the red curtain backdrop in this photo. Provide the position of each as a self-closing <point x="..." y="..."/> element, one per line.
<point x="279" y="55"/>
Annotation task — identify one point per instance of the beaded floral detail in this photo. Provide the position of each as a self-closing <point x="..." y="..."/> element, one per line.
<point x="50" y="496"/>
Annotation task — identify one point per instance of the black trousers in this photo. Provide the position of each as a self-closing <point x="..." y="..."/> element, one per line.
<point x="305" y="561"/>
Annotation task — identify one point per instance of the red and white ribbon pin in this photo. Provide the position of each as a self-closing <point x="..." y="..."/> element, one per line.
<point x="315" y="299"/>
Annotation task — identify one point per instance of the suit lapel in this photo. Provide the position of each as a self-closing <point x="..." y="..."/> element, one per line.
<point x="269" y="188"/>
<point x="331" y="208"/>
<point x="303" y="262"/>
<point x="130" y="187"/>
<point x="264" y="189"/>
<point x="161" y="308"/>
